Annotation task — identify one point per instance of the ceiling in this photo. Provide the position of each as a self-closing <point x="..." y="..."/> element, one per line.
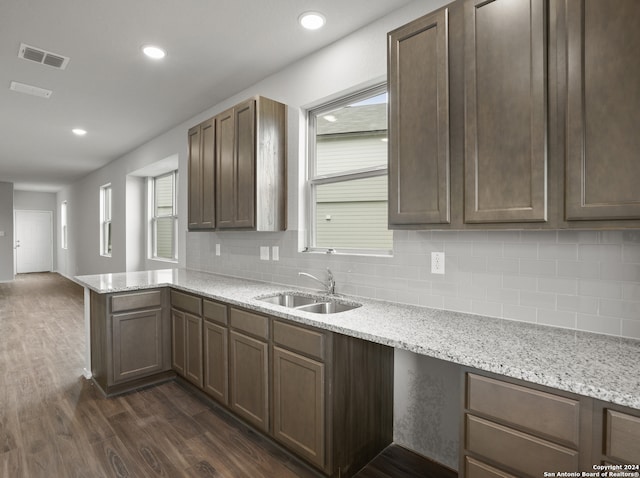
<point x="216" y="48"/>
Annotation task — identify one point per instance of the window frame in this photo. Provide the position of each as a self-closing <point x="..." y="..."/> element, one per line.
<point x="153" y="219"/>
<point x="312" y="180"/>
<point x="106" y="216"/>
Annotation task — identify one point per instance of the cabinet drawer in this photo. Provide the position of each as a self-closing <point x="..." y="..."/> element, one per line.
<point x="137" y="300"/>
<point x="623" y="437"/>
<point x="186" y="302"/>
<point x="254" y="324"/>
<point x="528" y="455"/>
<point x="477" y="469"/>
<point x="215" y="312"/>
<point x="555" y="417"/>
<point x="298" y="339"/>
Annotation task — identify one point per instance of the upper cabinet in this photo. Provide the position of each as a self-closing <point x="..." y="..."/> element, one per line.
<point x="201" y="176"/>
<point x="238" y="168"/>
<point x="505" y="149"/>
<point x="251" y="164"/>
<point x="516" y="114"/>
<point x="602" y="110"/>
<point x="419" y="122"/>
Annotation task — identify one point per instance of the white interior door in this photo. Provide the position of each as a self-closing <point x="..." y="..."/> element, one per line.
<point x="34" y="241"/>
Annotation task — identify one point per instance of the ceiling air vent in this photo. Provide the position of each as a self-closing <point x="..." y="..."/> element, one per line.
<point x="43" y="57"/>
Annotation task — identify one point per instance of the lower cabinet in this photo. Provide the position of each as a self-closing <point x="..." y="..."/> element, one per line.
<point x="299" y="391"/>
<point x="216" y="351"/>
<point x="249" y="367"/>
<point x="186" y="324"/>
<point x="130" y="340"/>
<point x="516" y="429"/>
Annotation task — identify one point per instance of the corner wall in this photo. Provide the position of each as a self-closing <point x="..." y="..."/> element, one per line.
<point x="6" y="232"/>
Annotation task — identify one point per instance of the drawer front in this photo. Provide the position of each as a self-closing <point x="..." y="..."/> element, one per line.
<point x="526" y="454"/>
<point x="186" y="302"/>
<point x="477" y="469"/>
<point x="623" y="437"/>
<point x="555" y="417"/>
<point x="137" y="300"/>
<point x="215" y="312"/>
<point x="254" y="324"/>
<point x="298" y="339"/>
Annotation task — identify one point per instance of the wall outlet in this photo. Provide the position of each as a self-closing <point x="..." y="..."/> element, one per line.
<point x="275" y="253"/>
<point x="264" y="253"/>
<point x="217" y="249"/>
<point x="437" y="262"/>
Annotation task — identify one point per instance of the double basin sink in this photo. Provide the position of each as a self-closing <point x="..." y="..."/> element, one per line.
<point x="317" y="304"/>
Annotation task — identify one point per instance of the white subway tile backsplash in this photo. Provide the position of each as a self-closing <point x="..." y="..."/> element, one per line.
<point x="584" y="280"/>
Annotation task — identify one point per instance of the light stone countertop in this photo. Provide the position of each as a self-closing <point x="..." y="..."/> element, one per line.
<point x="598" y="366"/>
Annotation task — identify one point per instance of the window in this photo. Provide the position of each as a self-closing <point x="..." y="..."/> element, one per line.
<point x="63" y="224"/>
<point x="164" y="217"/>
<point x="347" y="175"/>
<point x="105" y="220"/>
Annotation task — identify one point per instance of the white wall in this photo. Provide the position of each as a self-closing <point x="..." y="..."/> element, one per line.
<point x="6" y="226"/>
<point x="39" y="201"/>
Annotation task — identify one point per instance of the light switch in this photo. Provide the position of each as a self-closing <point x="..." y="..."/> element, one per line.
<point x="1" y="233"/>
<point x="264" y="253"/>
<point x="275" y="253"/>
<point x="217" y="249"/>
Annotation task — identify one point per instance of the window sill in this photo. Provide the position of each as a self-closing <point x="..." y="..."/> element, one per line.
<point x="347" y="252"/>
<point x="162" y="259"/>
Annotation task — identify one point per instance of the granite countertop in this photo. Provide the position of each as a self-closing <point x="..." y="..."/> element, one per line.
<point x="598" y="366"/>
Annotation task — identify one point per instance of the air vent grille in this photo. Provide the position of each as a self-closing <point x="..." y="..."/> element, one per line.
<point x="43" y="57"/>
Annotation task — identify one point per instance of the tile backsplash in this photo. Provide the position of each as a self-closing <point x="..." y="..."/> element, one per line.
<point x="584" y="280"/>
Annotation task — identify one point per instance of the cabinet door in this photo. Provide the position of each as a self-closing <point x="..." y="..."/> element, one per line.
<point x="208" y="179"/>
<point x="193" y="349"/>
<point x="249" y="379"/>
<point x="178" y="360"/>
<point x="245" y="159"/>
<point x="216" y="376"/>
<point x="505" y="111"/>
<point x="137" y="344"/>
<point x="195" y="175"/>
<point x="419" y="122"/>
<point x="298" y="404"/>
<point x="603" y="110"/>
<point x="225" y="133"/>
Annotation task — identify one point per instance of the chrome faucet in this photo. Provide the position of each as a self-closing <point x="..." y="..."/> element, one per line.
<point x="329" y="285"/>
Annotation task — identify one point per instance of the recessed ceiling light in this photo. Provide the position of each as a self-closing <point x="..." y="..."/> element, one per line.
<point x="312" y="20"/>
<point x="154" y="52"/>
<point x="79" y="131"/>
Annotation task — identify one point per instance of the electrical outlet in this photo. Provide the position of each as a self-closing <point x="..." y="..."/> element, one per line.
<point x="217" y="249"/>
<point x="437" y="262"/>
<point x="275" y="253"/>
<point x="264" y="253"/>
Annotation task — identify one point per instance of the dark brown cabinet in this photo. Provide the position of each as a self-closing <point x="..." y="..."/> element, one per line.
<point x="201" y="164"/>
<point x="299" y="390"/>
<point x="537" y="114"/>
<point x="617" y="435"/>
<point x="602" y="110"/>
<point x="249" y="367"/>
<point x="130" y="340"/>
<point x="251" y="166"/>
<point x="515" y="430"/>
<point x="419" y="171"/>
<point x="186" y="322"/>
<point x="505" y="170"/>
<point x="216" y="351"/>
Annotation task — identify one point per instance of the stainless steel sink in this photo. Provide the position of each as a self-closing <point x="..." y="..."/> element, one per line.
<point x="316" y="304"/>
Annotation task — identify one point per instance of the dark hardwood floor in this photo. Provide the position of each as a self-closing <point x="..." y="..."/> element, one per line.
<point x="55" y="424"/>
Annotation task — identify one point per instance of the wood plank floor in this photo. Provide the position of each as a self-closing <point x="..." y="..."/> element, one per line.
<point x="55" y="424"/>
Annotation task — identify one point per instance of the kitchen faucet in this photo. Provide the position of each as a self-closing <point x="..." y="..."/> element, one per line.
<point x="330" y="285"/>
